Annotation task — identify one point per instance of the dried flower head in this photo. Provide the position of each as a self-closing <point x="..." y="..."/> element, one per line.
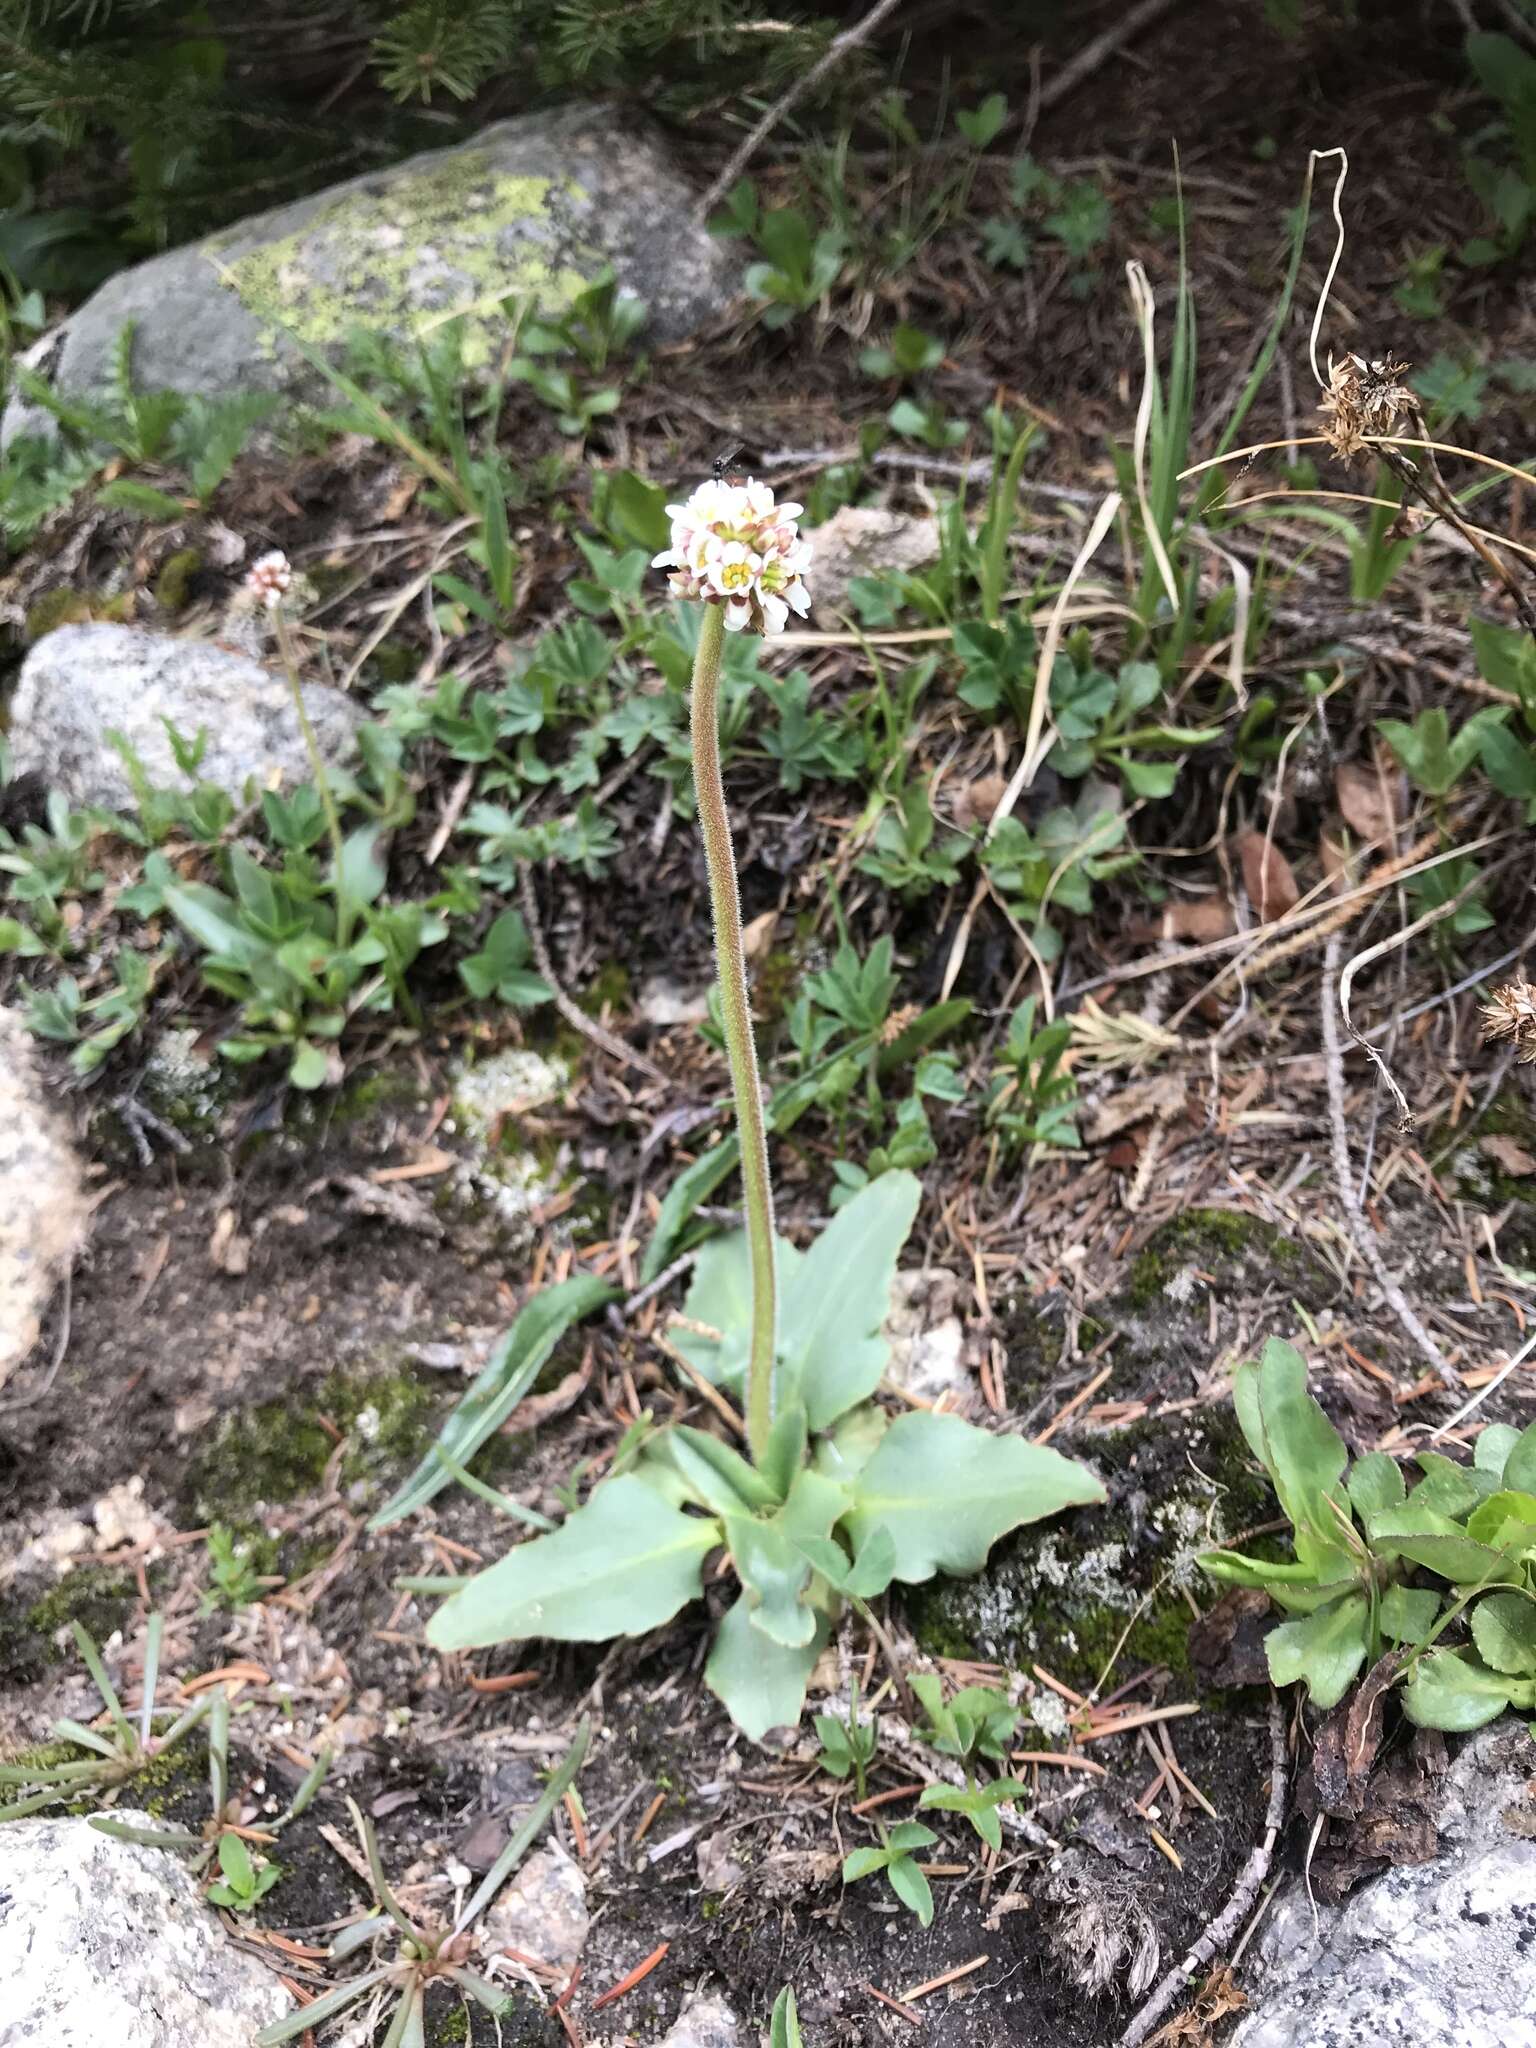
<point x="1510" y="1012"/>
<point x="732" y="545"/>
<point x="269" y="579"/>
<point x="1362" y="398"/>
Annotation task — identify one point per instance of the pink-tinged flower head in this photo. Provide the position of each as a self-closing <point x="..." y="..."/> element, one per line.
<point x="732" y="545"/>
<point x="269" y="579"/>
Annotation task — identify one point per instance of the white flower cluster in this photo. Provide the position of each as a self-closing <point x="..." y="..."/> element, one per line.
<point x="732" y="545"/>
<point x="269" y="580"/>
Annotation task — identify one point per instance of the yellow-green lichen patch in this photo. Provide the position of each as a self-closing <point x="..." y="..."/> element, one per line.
<point x="454" y="239"/>
<point x="503" y="1180"/>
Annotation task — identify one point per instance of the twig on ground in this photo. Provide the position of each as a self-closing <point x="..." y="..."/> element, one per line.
<point x="576" y="1018"/>
<point x="834" y="54"/>
<point x="1244" y="1892"/>
<point x="1092" y="55"/>
<point x="1376" y="952"/>
<point x="1429" y="486"/>
<point x="1344" y="1179"/>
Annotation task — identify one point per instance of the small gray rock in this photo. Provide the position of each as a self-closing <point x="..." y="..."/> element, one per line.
<point x="107" y="1941"/>
<point x="42" y="1206"/>
<point x="1430" y="1955"/>
<point x="865" y="540"/>
<point x="80" y="683"/>
<point x="925" y="1334"/>
<point x="706" y="2021"/>
<point x="542" y="1912"/>
<point x="531" y="208"/>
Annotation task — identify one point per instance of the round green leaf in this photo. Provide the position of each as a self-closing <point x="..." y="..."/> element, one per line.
<point x="1504" y="1630"/>
<point x="1449" y="1692"/>
<point x="1324" y="1649"/>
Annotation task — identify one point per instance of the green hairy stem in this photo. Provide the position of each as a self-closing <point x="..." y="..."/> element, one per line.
<point x="730" y="961"/>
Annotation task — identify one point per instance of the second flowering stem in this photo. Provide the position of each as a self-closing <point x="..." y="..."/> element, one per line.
<point x="736" y="1014"/>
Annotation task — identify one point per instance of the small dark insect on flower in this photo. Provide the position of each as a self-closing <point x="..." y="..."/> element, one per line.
<point x="1510" y="1012"/>
<point x="725" y="470"/>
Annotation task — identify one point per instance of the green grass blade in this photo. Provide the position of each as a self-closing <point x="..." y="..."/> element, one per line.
<point x="319" y="2009"/>
<point x="87" y="1738"/>
<point x="151" y="1838"/>
<point x="494" y="2001"/>
<point x="154" y="1629"/>
<point x="306" y="1792"/>
<point x="381" y="1890"/>
<point x="1266" y="354"/>
<point x="218" y="1752"/>
<point x="519" y="1844"/>
<point x="529" y="1517"/>
<point x="402" y="2032"/>
<point x="20" y="1808"/>
<point x="104" y="1686"/>
<point x="512" y="1368"/>
<point x="994" y="559"/>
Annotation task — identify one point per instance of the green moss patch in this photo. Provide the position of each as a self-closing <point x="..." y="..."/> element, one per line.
<point x="1213" y="1239"/>
<point x="33" y="1628"/>
<point x="278" y="1451"/>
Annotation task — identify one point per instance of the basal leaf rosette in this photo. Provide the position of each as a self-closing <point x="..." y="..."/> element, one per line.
<point x="733" y="545"/>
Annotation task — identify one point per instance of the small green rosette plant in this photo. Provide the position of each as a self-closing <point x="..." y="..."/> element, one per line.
<point x="1440" y="1576"/>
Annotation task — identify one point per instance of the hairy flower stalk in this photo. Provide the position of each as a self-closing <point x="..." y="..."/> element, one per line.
<point x="268" y="581"/>
<point x="740" y="553"/>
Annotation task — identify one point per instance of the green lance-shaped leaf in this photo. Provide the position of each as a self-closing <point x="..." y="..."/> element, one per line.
<point x="512" y="1368"/>
<point x="946" y="1491"/>
<point x="831" y="1344"/>
<point x="624" y="1563"/>
<point x="784" y="2025"/>
<point x="719" y="1300"/>
<point x="1297" y="1444"/>
<point x="1426" y="1537"/>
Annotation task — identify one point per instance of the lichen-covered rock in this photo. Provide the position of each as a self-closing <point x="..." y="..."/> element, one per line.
<point x="1431" y="1955"/>
<point x="42" y="1206"/>
<point x="530" y="209"/>
<point x="82" y="683"/>
<point x="106" y="1941"/>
